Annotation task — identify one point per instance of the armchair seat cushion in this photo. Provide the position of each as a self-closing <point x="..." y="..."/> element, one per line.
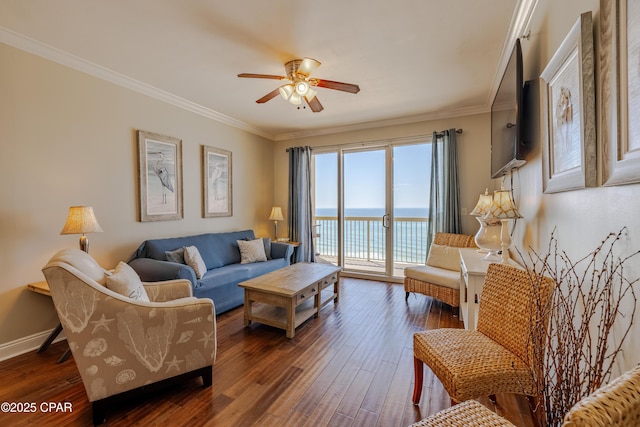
<point x="441" y="276"/>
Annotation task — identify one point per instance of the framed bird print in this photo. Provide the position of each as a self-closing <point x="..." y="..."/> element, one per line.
<point x="217" y="188"/>
<point x="160" y="177"/>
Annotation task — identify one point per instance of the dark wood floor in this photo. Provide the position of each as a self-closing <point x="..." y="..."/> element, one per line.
<point x="352" y="366"/>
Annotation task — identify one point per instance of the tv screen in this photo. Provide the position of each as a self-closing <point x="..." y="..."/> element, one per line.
<point x="507" y="144"/>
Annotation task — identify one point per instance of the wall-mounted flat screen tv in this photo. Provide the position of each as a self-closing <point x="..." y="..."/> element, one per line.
<point x="508" y="145"/>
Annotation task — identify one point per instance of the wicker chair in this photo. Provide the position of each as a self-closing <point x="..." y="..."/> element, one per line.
<point x="495" y="358"/>
<point x="414" y="280"/>
<point x="616" y="404"/>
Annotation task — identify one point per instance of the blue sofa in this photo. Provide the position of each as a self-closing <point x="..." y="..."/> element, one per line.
<point x="221" y="254"/>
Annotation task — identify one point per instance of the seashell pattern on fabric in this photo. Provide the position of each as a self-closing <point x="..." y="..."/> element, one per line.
<point x="97" y="390"/>
<point x="185" y="337"/>
<point x="125" y="376"/>
<point x="114" y="361"/>
<point x="95" y="347"/>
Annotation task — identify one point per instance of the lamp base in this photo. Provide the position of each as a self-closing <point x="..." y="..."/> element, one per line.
<point x="492" y="256"/>
<point x="488" y="239"/>
<point x="84" y="243"/>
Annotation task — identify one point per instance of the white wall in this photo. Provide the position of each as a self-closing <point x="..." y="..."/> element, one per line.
<point x="584" y="217"/>
<point x="68" y="138"/>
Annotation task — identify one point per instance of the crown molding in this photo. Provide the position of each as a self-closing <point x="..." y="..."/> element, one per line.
<point x="27" y="44"/>
<point x="442" y="114"/>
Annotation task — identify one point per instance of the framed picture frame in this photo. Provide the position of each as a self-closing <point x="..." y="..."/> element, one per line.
<point x="620" y="92"/>
<point x="217" y="182"/>
<point x="569" y="152"/>
<point x="160" y="177"/>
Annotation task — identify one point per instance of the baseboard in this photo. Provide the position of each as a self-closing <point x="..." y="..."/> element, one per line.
<point x="26" y="344"/>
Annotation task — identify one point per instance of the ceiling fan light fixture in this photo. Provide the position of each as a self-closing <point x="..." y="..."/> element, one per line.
<point x="311" y="94"/>
<point x="302" y="87"/>
<point x="286" y="91"/>
<point x="295" y="99"/>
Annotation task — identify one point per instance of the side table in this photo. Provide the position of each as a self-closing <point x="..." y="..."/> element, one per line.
<point x="43" y="288"/>
<point x="473" y="270"/>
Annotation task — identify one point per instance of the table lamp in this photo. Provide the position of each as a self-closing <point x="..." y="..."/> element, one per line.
<point x="488" y="236"/>
<point x="81" y="220"/>
<point x="503" y="208"/>
<point x="276" y="215"/>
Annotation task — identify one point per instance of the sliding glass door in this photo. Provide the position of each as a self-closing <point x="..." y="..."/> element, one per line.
<point x="371" y="207"/>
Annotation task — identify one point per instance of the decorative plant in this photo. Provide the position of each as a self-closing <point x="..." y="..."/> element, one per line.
<point x="575" y="347"/>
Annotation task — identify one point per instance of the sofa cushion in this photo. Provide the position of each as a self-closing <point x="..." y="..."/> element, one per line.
<point x="434" y="275"/>
<point x="194" y="260"/>
<point x="175" y="255"/>
<point x="447" y="257"/>
<point x="125" y="281"/>
<point x="251" y="251"/>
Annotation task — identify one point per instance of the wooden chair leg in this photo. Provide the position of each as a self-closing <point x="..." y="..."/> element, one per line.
<point x="418" y="373"/>
<point x="456" y="311"/>
<point x="492" y="398"/>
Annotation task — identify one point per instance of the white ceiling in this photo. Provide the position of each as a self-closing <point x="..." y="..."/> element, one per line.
<point x="413" y="59"/>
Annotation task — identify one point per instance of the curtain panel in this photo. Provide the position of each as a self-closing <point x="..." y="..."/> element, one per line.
<point x="444" y="203"/>
<point x="300" y="213"/>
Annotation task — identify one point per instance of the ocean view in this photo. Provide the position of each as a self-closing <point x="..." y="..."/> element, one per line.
<point x="365" y="237"/>
<point x="375" y="212"/>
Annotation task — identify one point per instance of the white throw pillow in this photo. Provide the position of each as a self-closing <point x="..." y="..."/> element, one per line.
<point x="443" y="256"/>
<point x="194" y="260"/>
<point x="251" y="251"/>
<point x="125" y="281"/>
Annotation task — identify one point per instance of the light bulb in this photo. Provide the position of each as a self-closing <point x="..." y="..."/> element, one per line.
<point x="302" y="87"/>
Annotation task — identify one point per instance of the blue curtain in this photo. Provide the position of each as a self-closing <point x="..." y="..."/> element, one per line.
<point x="300" y="214"/>
<point x="444" y="203"/>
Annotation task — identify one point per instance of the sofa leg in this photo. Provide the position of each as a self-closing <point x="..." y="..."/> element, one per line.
<point x="406" y="296"/>
<point x="99" y="412"/>
<point x="207" y="376"/>
<point x="418" y="372"/>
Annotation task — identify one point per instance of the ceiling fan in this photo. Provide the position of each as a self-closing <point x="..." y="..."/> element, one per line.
<point x="300" y="84"/>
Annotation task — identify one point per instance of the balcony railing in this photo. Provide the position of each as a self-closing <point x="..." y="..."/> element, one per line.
<point x="365" y="238"/>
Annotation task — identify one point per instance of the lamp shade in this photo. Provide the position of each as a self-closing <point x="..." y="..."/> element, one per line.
<point x="503" y="206"/>
<point x="276" y="214"/>
<point x="80" y="220"/>
<point x="483" y="205"/>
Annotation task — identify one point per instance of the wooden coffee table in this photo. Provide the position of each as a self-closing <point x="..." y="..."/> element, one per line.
<point x="287" y="297"/>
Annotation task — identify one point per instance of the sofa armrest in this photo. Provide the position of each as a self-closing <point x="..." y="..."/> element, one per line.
<point x="281" y="250"/>
<point x="153" y="270"/>
<point x="168" y="290"/>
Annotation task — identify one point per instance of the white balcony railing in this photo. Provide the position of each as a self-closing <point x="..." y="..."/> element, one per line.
<point x="365" y="238"/>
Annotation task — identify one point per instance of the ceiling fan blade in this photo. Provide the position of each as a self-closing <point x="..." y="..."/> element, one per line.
<point x="261" y="76"/>
<point x="329" y="84"/>
<point x="314" y="104"/>
<point x="308" y="66"/>
<point x="269" y="96"/>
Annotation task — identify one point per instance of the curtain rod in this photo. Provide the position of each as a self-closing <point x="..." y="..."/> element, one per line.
<point x="441" y="133"/>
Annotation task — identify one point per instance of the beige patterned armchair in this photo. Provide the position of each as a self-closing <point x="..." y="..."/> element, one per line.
<point x="122" y="345"/>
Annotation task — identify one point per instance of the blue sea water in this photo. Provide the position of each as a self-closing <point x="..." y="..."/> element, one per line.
<point x="364" y="239"/>
<point x="376" y="212"/>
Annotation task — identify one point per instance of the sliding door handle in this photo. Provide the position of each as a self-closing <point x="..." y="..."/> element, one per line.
<point x="385" y="220"/>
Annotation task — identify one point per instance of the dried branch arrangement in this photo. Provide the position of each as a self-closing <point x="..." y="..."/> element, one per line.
<point x="575" y="346"/>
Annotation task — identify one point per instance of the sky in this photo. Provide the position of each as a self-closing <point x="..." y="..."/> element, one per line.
<point x="365" y="178"/>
